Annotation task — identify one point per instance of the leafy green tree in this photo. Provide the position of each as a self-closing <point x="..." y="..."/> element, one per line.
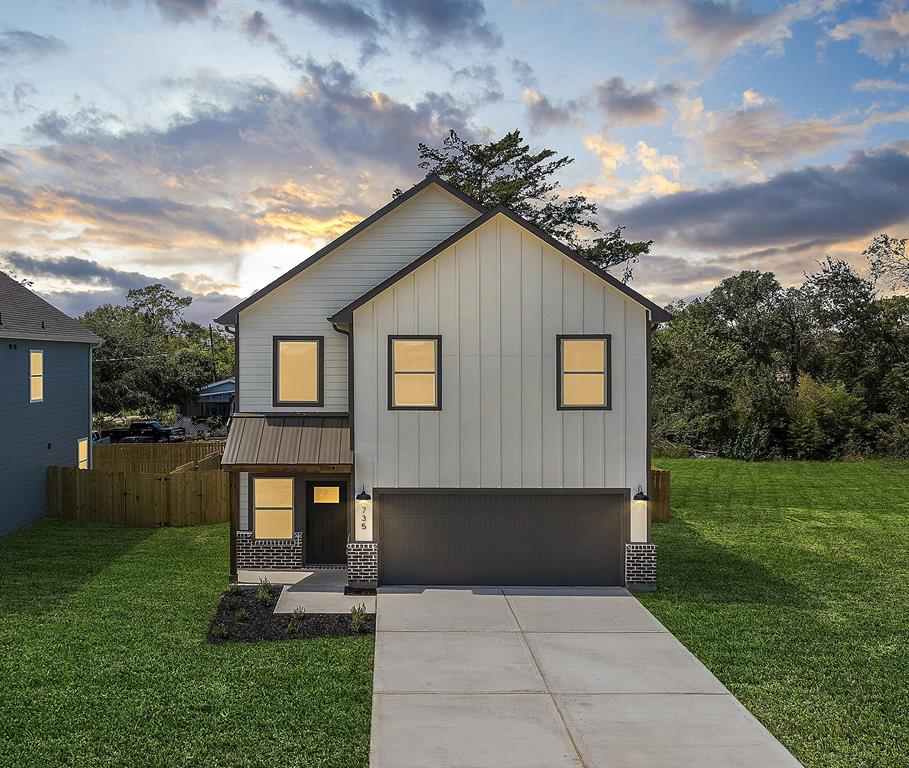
<point x="152" y="359"/>
<point x="888" y="260"/>
<point x="506" y="172"/>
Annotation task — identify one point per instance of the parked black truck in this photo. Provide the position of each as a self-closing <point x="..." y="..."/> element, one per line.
<point x="145" y="432"/>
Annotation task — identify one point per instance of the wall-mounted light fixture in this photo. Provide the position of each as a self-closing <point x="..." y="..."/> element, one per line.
<point x="364" y="516"/>
<point x="639" y="514"/>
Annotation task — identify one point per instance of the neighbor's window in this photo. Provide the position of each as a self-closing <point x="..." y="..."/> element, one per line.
<point x="583" y="370"/>
<point x="414" y="364"/>
<point x="36" y="375"/>
<point x="298" y="370"/>
<point x="273" y="507"/>
<point x="82" y="453"/>
<point x="326" y="494"/>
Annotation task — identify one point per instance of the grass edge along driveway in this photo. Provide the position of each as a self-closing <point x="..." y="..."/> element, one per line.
<point x="790" y="581"/>
<point x="105" y="661"/>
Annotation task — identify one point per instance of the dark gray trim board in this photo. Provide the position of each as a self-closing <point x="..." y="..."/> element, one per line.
<point x="230" y="317"/>
<point x="657" y="313"/>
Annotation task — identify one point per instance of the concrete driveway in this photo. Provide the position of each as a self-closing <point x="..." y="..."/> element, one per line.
<point x="528" y="677"/>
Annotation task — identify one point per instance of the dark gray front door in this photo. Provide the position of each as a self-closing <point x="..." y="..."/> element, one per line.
<point x="326" y="522"/>
<point x="508" y="537"/>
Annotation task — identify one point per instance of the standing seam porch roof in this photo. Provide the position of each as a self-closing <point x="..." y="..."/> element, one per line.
<point x="279" y="439"/>
<point x="657" y="313"/>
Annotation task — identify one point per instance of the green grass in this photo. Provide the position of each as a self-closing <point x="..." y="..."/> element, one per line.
<point x="104" y="661"/>
<point x="790" y="581"/>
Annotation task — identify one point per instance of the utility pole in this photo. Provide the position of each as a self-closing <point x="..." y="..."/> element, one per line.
<point x="211" y="341"/>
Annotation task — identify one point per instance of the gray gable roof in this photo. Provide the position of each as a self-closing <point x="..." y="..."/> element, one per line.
<point x="25" y="315"/>
<point x="657" y="313"/>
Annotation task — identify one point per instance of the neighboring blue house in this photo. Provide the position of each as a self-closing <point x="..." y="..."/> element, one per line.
<point x="215" y="399"/>
<point x="45" y="400"/>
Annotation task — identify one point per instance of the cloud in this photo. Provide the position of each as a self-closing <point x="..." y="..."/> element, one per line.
<point x="483" y="81"/>
<point x="76" y="285"/>
<point x="178" y="11"/>
<point x="523" y="73"/>
<point x="634" y="105"/>
<point x="711" y="30"/>
<point x="870" y="86"/>
<point x="542" y="114"/>
<point x="756" y="137"/>
<point x="427" y="25"/>
<point x="28" y="45"/>
<point x="823" y="204"/>
<point x="751" y="98"/>
<point x="883" y="37"/>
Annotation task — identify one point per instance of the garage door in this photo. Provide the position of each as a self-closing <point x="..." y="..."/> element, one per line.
<point x="535" y="538"/>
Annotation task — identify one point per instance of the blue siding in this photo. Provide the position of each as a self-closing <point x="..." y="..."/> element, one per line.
<point x="36" y="435"/>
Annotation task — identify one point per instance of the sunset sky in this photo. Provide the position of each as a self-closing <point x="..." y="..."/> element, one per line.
<point x="212" y="145"/>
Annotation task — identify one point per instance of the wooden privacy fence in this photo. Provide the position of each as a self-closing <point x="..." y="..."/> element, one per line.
<point x="659" y="495"/>
<point x="152" y="457"/>
<point x="139" y="499"/>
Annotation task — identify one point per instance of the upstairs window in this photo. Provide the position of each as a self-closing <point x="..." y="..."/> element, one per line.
<point x="36" y="375"/>
<point x="583" y="368"/>
<point x="82" y="453"/>
<point x="414" y="367"/>
<point x="273" y="507"/>
<point x="298" y="370"/>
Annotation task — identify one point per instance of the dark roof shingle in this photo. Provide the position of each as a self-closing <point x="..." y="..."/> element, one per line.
<point x="25" y="315"/>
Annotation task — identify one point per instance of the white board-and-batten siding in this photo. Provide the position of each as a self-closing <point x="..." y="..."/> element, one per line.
<point x="498" y="298"/>
<point x="300" y="306"/>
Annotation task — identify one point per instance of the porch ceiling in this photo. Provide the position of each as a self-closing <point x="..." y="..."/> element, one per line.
<point x="306" y="442"/>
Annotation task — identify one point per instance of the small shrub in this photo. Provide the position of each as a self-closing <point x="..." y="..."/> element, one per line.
<point x="358" y="618"/>
<point x="231" y="603"/>
<point x="234" y="590"/>
<point x="263" y="591"/>
<point x="296" y="622"/>
<point x="220" y="630"/>
<point x="241" y="615"/>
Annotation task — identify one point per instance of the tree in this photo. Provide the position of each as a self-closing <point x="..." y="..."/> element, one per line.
<point x="505" y="172"/>
<point x="152" y="359"/>
<point x="888" y="260"/>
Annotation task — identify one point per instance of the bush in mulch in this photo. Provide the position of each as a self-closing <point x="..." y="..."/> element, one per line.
<point x="246" y="615"/>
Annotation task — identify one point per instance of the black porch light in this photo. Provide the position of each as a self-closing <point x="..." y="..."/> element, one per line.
<point x="639" y="515"/>
<point x="363" y="496"/>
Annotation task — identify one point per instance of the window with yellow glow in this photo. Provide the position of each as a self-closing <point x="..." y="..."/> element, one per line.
<point x="326" y="494"/>
<point x="273" y="507"/>
<point x="583" y="372"/>
<point x="36" y="375"/>
<point x="297" y="371"/>
<point x="413" y="366"/>
<point x="82" y="453"/>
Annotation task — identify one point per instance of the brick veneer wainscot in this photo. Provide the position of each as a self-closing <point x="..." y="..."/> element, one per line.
<point x="275" y="554"/>
<point x="640" y="566"/>
<point x="363" y="564"/>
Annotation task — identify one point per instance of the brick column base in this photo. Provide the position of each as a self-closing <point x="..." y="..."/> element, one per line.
<point x="363" y="564"/>
<point x="273" y="554"/>
<point x="640" y="567"/>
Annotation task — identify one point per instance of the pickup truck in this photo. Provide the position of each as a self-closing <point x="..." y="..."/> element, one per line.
<point x="145" y="432"/>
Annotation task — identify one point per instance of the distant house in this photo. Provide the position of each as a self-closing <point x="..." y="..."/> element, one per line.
<point x="45" y="400"/>
<point x="215" y="399"/>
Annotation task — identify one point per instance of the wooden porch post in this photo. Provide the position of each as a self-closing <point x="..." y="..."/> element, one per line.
<point x="234" y="523"/>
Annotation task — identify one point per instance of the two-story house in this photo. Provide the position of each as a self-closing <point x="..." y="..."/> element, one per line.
<point x="45" y="400"/>
<point x="443" y="395"/>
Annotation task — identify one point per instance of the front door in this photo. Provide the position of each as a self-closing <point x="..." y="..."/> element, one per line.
<point x="326" y="523"/>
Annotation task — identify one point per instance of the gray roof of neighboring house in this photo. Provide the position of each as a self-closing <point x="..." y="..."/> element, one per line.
<point x="25" y="315"/>
<point x="278" y="439"/>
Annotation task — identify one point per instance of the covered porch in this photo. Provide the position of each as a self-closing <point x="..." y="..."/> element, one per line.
<point x="291" y="491"/>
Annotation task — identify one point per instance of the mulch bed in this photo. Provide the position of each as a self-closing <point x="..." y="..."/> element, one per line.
<point x="243" y="616"/>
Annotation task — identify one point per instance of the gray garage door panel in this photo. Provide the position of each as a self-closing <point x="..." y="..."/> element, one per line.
<point x="504" y="538"/>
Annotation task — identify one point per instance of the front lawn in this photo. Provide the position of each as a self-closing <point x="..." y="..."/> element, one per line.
<point x="790" y="581"/>
<point x="104" y="661"/>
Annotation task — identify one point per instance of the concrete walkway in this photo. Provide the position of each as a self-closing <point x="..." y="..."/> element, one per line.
<point x="545" y="678"/>
<point x="316" y="591"/>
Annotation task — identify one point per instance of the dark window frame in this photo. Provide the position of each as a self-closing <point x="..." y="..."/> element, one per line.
<point x="391" y="371"/>
<point x="296" y="512"/>
<point x="607" y="337"/>
<point x="320" y="378"/>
